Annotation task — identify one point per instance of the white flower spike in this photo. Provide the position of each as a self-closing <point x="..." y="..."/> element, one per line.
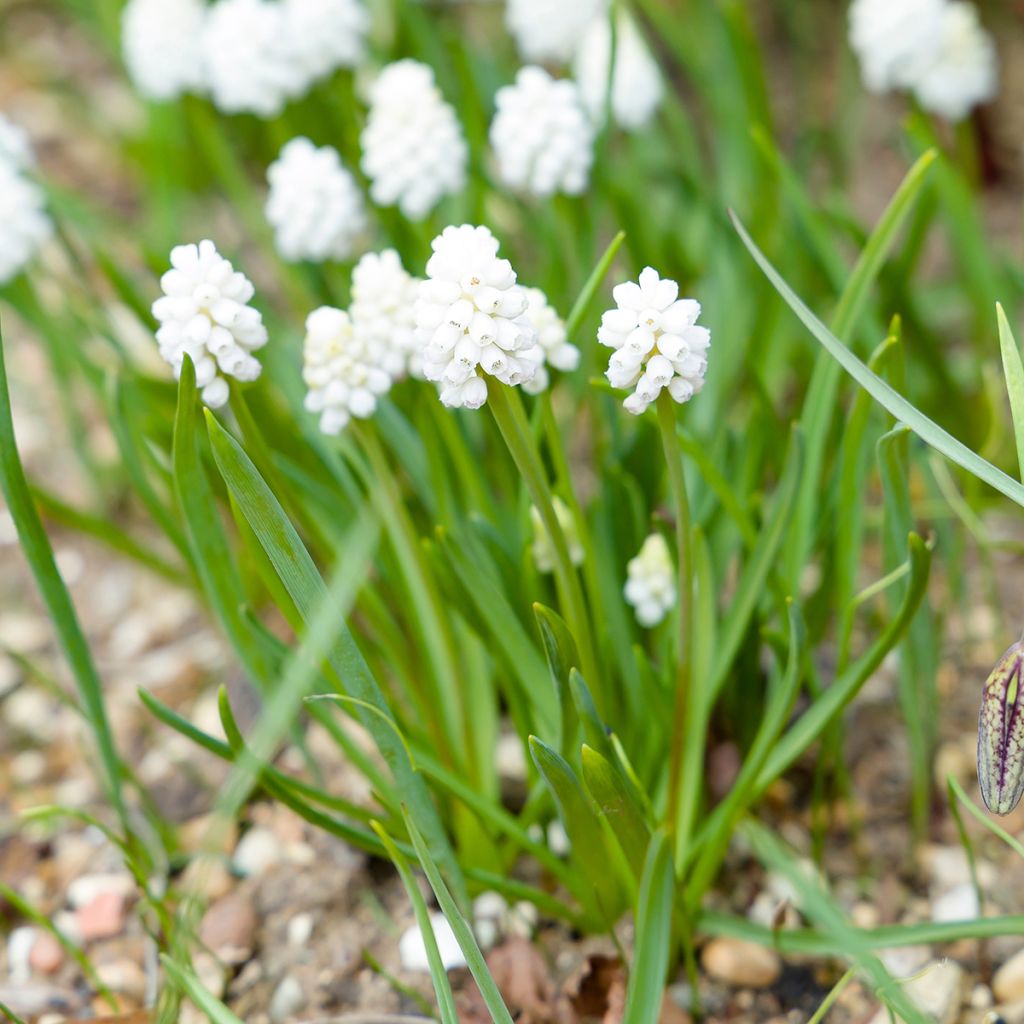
<point x="383" y="312"/>
<point x="161" y="45"/>
<point x="24" y="223"/>
<point x="324" y="35"/>
<point x="414" y="152"/>
<point x="650" y="582"/>
<point x="314" y="205"/>
<point x="894" y="39"/>
<point x="656" y="339"/>
<point x="555" y="347"/>
<point x="342" y="375"/>
<point x="542" y="549"/>
<point x="471" y="318"/>
<point x="551" y="30"/>
<point x="541" y="135"/>
<point x="205" y="313"/>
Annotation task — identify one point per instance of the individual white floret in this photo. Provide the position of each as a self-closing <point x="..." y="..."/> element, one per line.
<point x="542" y="549"/>
<point x="383" y="311"/>
<point x="964" y="70"/>
<point x="656" y="339"/>
<point x="341" y="373"/>
<point x="541" y="135"/>
<point x="324" y="35"/>
<point x="471" y="318"/>
<point x="554" y="342"/>
<point x="894" y="39"/>
<point x="551" y="30"/>
<point x="650" y="581"/>
<point x="24" y="223"/>
<point x="637" y="87"/>
<point x="205" y="313"/>
<point x="314" y="206"/>
<point x="15" y="147"/>
<point x="161" y="45"/>
<point x="246" y="61"/>
<point x="414" y="152"/>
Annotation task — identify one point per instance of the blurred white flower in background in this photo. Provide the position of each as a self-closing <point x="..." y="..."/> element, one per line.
<point x="937" y="49"/>
<point x="314" y="205"/>
<point x="15" y="147"/>
<point x="656" y="339"/>
<point x="24" y="223"/>
<point x="204" y="313"/>
<point x="340" y="370"/>
<point x="161" y="46"/>
<point x="324" y="35"/>
<point x="542" y="549"/>
<point x="413" y="953"/>
<point x="650" y="581"/>
<point x="964" y="70"/>
<point x="541" y="135"/>
<point x="383" y="311"/>
<point x="551" y="30"/>
<point x="413" y="148"/>
<point x="555" y="347"/>
<point x="247" y="65"/>
<point x="471" y="317"/>
<point x="637" y="88"/>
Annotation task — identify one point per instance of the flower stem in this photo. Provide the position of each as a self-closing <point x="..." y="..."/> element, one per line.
<point x="677" y="488"/>
<point x="508" y="413"/>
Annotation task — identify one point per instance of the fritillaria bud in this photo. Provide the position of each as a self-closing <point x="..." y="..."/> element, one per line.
<point x="1001" y="734"/>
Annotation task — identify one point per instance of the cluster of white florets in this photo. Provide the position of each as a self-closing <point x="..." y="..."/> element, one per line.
<point x="546" y="31"/>
<point x="936" y="49"/>
<point x="556" y="349"/>
<point x="656" y="339"/>
<point x="314" y="206"/>
<point x="650" y="583"/>
<point x="383" y="312"/>
<point x="414" y="152"/>
<point x="541" y="135"/>
<point x="249" y="55"/>
<point x="472" y="318"/>
<point x="205" y="314"/>
<point x="24" y="223"/>
<point x="542" y="549"/>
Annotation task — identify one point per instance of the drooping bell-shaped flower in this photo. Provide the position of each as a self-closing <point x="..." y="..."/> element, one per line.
<point x="1001" y="734"/>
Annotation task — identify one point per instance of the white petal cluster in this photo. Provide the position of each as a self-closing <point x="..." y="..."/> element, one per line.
<point x="247" y="63"/>
<point x="340" y="371"/>
<point x="471" y="318"/>
<point x="383" y="312"/>
<point x="205" y="313"/>
<point x="650" y="583"/>
<point x="637" y="87"/>
<point x="556" y="349"/>
<point x="15" y="147"/>
<point x="964" y="70"/>
<point x="542" y="549"/>
<point x="324" y="35"/>
<point x="413" y="148"/>
<point x="314" y="206"/>
<point x="937" y="49"/>
<point x="494" y="919"/>
<point x="541" y="135"/>
<point x="656" y="339"/>
<point x="551" y="30"/>
<point x="24" y="222"/>
<point x="160" y="42"/>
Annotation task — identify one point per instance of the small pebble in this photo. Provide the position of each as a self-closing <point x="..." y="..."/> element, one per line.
<point x="101" y="918"/>
<point x="300" y="929"/>
<point x="958" y="904"/>
<point x="1008" y="982"/>
<point x="125" y="977"/>
<point x="47" y="954"/>
<point x="937" y="990"/>
<point x="19" y="949"/>
<point x="258" y="850"/>
<point x="740" y="963"/>
<point x="228" y="929"/>
<point x="85" y="889"/>
<point x="288" y="999"/>
<point x="413" y="952"/>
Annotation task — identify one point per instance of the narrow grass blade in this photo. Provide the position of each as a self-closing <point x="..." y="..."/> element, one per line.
<point x="1013" y="370"/>
<point x="976" y="812"/>
<point x="185" y="979"/>
<point x="586" y="296"/>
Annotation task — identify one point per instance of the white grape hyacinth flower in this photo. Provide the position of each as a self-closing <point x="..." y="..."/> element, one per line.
<point x="650" y="582"/>
<point x="657" y="341"/>
<point x="964" y="70"/>
<point x="383" y="312"/>
<point x="314" y="205"/>
<point x="414" y="152"/>
<point x="541" y="135"/>
<point x="636" y="89"/>
<point x="15" y="147"/>
<point x="246" y="61"/>
<point x="542" y="549"/>
<point x="894" y="39"/>
<point x="471" y="318"/>
<point x="205" y="313"/>
<point x="25" y="225"/>
<point x="558" y="352"/>
<point x="551" y="30"/>
<point x="161" y="46"/>
<point x="324" y="35"/>
<point x="342" y="374"/>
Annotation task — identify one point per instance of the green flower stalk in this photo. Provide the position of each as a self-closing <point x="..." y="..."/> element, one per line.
<point x="1001" y="734"/>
